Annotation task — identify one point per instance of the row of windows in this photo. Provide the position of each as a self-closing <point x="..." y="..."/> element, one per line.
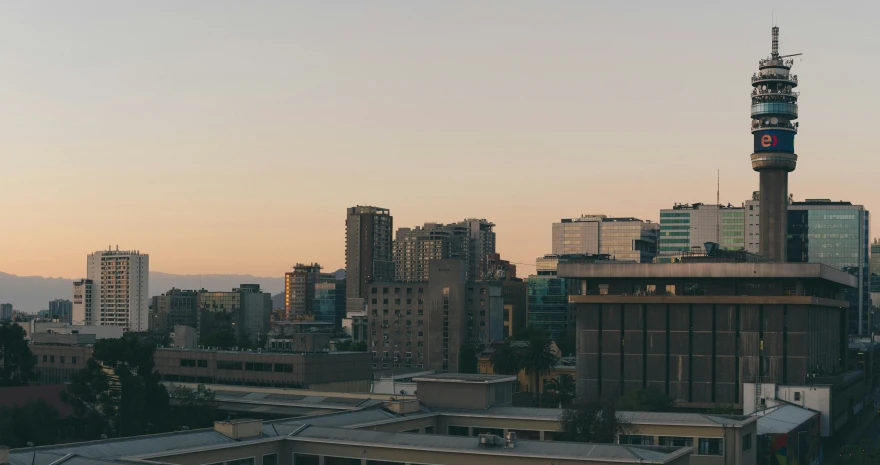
<point x="255" y="366"/>
<point x="61" y="359"/>
<point x="674" y="215"/>
<point x="705" y="446"/>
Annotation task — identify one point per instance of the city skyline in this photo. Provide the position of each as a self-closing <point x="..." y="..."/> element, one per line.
<point x="210" y="152"/>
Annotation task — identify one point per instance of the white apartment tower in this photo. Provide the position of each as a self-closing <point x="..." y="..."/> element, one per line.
<point x="120" y="289"/>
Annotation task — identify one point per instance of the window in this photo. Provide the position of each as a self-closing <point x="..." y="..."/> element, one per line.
<point x="670" y="289"/>
<point x="73" y="360"/>
<point x="226" y="365"/>
<point x="458" y="431"/>
<point x="283" y="368"/>
<point x="270" y="459"/>
<point x="373" y="290"/>
<point x="202" y="363"/>
<point x="44" y="359"/>
<point x="747" y="442"/>
<point x="61" y="359"/>
<point x="676" y="441"/>
<point x="711" y="446"/>
<point x="797" y="396"/>
<point x="187" y="362"/>
<point x="636" y="439"/>
<point x="247" y="461"/>
<point x="52" y="359"/>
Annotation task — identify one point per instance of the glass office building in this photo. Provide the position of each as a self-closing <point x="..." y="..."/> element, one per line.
<point x="689" y="226"/>
<point x="548" y="306"/>
<point x="835" y="234"/>
<point x="623" y="239"/>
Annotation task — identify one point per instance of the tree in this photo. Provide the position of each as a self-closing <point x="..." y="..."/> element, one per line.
<point x="506" y="360"/>
<point x="222" y="339"/>
<point x="559" y="390"/>
<point x="119" y="393"/>
<point x="538" y="359"/>
<point x="35" y="421"/>
<point x="567" y="344"/>
<point x="349" y="346"/>
<point x="193" y="408"/>
<point x="648" y="399"/>
<point x="596" y="422"/>
<point x="16" y="359"/>
<point x="467" y="359"/>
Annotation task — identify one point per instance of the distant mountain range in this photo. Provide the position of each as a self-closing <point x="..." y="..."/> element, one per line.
<point x="33" y="293"/>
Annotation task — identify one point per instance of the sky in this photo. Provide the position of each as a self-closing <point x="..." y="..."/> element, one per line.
<point x="230" y="136"/>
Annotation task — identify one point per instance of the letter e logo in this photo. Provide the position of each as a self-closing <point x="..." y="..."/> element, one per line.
<point x="766" y="140"/>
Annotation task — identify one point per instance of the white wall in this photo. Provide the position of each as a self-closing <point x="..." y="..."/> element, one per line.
<point x="816" y="398"/>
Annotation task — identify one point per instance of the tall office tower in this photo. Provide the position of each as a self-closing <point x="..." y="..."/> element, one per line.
<point x="482" y="243"/>
<point x="245" y="312"/>
<point x="836" y="234"/>
<point x="686" y="226"/>
<point x="774" y="107"/>
<point x="368" y="252"/>
<point x="175" y="307"/>
<point x="83" y="295"/>
<point x="120" y="280"/>
<point x="624" y="239"/>
<point x="875" y="271"/>
<point x="61" y="310"/>
<point x="5" y="311"/>
<point x="752" y="216"/>
<point x="299" y="289"/>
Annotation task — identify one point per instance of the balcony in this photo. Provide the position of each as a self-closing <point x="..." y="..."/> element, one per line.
<point x="789" y="78"/>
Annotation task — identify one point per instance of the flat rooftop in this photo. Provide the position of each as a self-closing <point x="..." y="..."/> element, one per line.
<point x="466" y="378"/>
<point x="706" y="271"/>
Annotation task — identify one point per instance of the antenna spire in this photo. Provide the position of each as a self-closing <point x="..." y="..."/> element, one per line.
<point x="775" y="42"/>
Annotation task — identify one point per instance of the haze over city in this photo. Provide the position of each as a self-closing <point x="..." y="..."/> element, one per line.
<point x="229" y="137"/>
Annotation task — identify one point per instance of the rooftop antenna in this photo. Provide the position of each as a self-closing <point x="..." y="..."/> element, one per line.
<point x="718" y="202"/>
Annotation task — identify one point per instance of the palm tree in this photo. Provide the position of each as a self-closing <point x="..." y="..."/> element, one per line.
<point x="563" y="387"/>
<point x="538" y="359"/>
<point x="506" y="360"/>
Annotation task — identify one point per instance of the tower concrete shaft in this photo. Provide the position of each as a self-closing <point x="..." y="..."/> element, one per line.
<point x="774" y="108"/>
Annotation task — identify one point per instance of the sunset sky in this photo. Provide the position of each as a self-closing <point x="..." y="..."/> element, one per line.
<point x="230" y="136"/>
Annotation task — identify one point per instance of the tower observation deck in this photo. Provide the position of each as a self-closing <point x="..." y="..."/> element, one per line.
<point x="774" y="109"/>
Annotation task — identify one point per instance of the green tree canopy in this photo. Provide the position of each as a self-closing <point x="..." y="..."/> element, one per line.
<point x="467" y="359"/>
<point x="506" y="360"/>
<point x="559" y="391"/>
<point x="36" y="422"/>
<point x="648" y="399"/>
<point x="538" y="359"/>
<point x="193" y="408"/>
<point x="119" y="393"/>
<point x="223" y="339"/>
<point x="596" y="422"/>
<point x="16" y="360"/>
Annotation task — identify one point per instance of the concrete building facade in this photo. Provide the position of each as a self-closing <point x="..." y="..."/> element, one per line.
<point x="5" y="311"/>
<point x="626" y="239"/>
<point x="424" y="325"/>
<point x="175" y="307"/>
<point x="245" y="311"/>
<point x="697" y="331"/>
<point x="120" y="289"/>
<point x="83" y="301"/>
<point x="686" y="226"/>
<point x="368" y="252"/>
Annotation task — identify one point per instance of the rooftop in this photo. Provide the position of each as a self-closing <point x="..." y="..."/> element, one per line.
<point x="782" y="419"/>
<point x="465" y="378"/>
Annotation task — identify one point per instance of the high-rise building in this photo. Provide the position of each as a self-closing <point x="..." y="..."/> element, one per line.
<point x="686" y="226"/>
<point x="368" y="252"/>
<point x="625" y="239"/>
<point x="425" y="324"/>
<point x="836" y="234"/>
<point x="774" y="108"/>
<point x="245" y="311"/>
<point x="83" y="295"/>
<point x="175" y="307"/>
<point x="471" y="240"/>
<point x="415" y="247"/>
<point x="61" y="310"/>
<point x="5" y="311"/>
<point x="299" y="289"/>
<point x="120" y="293"/>
<point x="329" y="302"/>
<point x="875" y="268"/>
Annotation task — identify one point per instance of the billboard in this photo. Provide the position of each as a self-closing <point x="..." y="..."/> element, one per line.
<point x="774" y="140"/>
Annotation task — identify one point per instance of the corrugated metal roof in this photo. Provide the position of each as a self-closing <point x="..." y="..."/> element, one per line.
<point x="782" y="419"/>
<point x="123" y="447"/>
<point x="552" y="414"/>
<point x="550" y="449"/>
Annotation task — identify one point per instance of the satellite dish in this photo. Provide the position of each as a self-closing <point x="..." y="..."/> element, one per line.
<point x="774" y="120"/>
